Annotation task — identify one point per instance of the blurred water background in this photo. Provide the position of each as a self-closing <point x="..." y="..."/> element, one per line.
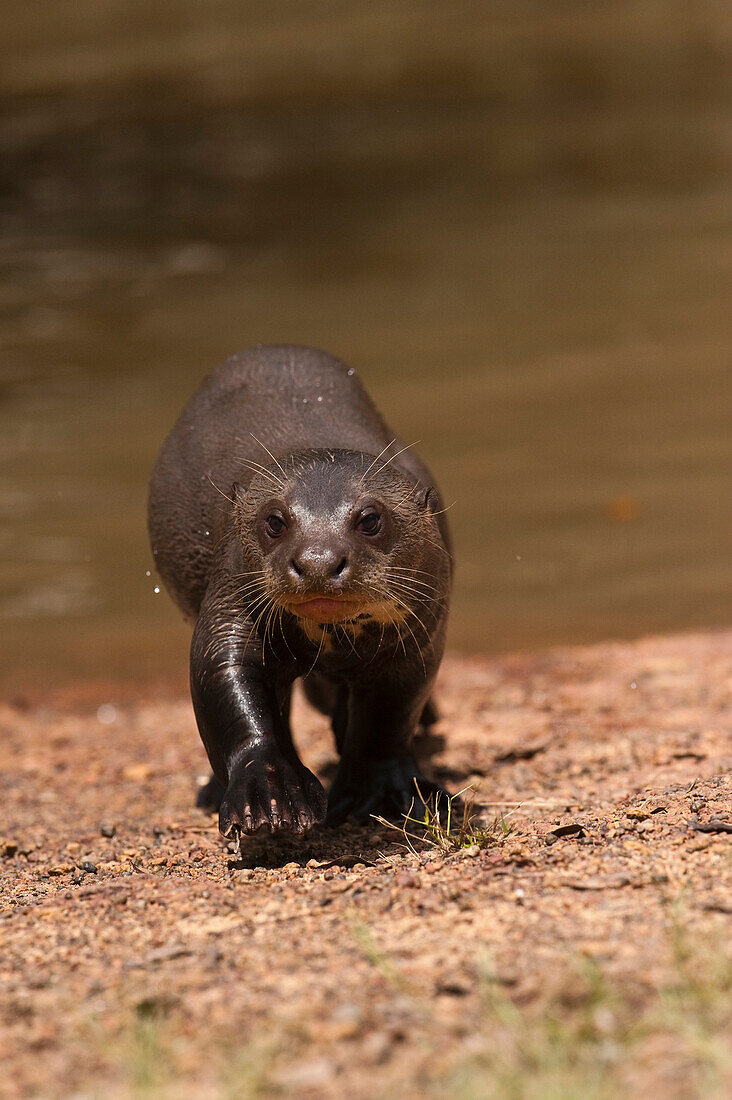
<point x="512" y="218"/>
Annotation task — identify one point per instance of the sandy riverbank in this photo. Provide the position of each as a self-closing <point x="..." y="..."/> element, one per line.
<point x="344" y="964"/>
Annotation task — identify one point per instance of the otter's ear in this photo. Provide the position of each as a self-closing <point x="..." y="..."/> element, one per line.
<point x="427" y="499"/>
<point x="238" y="493"/>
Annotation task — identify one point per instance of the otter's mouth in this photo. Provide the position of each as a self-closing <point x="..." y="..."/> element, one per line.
<point x="326" y="609"/>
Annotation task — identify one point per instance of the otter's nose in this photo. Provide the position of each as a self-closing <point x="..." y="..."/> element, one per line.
<point x="320" y="563"/>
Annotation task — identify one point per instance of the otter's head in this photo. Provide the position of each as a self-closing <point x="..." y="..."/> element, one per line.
<point x="334" y="536"/>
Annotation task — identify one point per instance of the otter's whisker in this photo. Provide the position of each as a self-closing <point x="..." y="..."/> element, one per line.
<point x="410" y="611"/>
<point x="350" y="638"/>
<point x="245" y="595"/>
<point x="223" y="494"/>
<point x="393" y="620"/>
<point x="417" y="647"/>
<point x="252" y="582"/>
<point x="409" y="569"/>
<point x="439" y="511"/>
<point x="253" y="633"/>
<point x="437" y="545"/>
<point x="428" y="603"/>
<point x="392" y="457"/>
<point x="381" y="636"/>
<point x="267" y="600"/>
<point x="405" y="623"/>
<point x="419" y="592"/>
<point x="412" y="595"/>
<point x="277" y="464"/>
<point x="411" y="584"/>
<point x="281" y="611"/>
<point x="249" y="608"/>
<point x="317" y="655"/>
<point x="272" y="613"/>
<point x="383" y="452"/>
<point x="262" y="471"/>
<point x="380" y="642"/>
<point x="414" y="584"/>
<point x="409" y="592"/>
<point x="411" y="493"/>
<point x="401" y="638"/>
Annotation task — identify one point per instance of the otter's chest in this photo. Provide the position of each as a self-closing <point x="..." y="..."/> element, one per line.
<point x="345" y="647"/>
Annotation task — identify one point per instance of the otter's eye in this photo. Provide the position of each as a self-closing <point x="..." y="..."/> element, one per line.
<point x="369" y="523"/>
<point x="275" y="526"/>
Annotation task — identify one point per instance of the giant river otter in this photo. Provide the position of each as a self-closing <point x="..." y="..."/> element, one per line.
<point x="303" y="539"/>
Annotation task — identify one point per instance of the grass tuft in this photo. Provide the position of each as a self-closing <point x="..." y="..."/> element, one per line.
<point x="450" y="825"/>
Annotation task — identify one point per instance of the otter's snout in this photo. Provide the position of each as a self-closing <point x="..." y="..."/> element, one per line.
<point x="320" y="563"/>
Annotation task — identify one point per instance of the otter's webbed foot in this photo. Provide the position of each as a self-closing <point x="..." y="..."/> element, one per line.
<point x="392" y="789"/>
<point x="273" y="792"/>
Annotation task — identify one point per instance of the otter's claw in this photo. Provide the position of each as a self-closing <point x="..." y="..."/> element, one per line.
<point x="275" y="793"/>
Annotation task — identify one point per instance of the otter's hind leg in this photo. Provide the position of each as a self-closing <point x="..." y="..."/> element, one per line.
<point x="332" y="701"/>
<point x="378" y="775"/>
<point x="210" y="796"/>
<point x="320" y="693"/>
<point x="429" y="715"/>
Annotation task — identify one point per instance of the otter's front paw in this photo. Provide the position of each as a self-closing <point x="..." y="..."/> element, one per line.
<point x="392" y="789"/>
<point x="271" y="792"/>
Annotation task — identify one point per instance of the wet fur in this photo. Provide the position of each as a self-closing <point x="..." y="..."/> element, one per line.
<point x="281" y="420"/>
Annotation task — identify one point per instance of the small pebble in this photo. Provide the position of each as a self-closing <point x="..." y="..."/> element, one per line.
<point x="108" y="830"/>
<point x="408" y="878"/>
<point x="89" y="867"/>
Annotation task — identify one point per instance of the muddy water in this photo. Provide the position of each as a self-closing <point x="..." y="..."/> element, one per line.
<point x="532" y="278"/>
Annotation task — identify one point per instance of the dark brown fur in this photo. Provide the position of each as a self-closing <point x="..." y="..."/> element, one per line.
<point x="291" y="431"/>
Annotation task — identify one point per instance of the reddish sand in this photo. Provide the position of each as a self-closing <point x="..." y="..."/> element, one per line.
<point x="155" y="961"/>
